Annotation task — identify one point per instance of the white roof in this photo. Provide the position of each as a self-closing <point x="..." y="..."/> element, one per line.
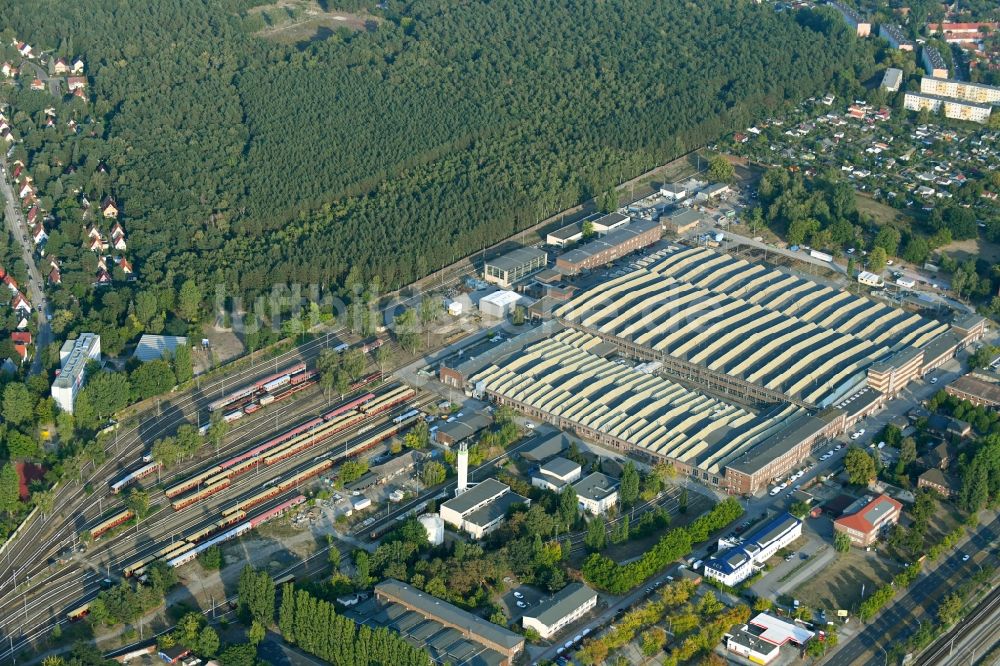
<point x="501" y="298"/>
<point x="868" y="275"/>
<point x="780" y="632"/>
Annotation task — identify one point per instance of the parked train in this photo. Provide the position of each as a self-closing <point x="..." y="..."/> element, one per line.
<point x="134" y="477"/>
<point x="114" y="521"/>
<point x="285" y="446"/>
<point x="293" y="374"/>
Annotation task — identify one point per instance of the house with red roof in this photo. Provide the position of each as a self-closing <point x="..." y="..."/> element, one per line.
<point x="37" y="84"/>
<point x="10" y="282"/>
<point x="109" y="208"/>
<point x="868" y="519"/>
<point x="20" y="304"/>
<point x="55" y="277"/>
<point x="75" y="83"/>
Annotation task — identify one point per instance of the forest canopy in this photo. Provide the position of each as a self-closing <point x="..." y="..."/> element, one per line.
<point x="400" y="148"/>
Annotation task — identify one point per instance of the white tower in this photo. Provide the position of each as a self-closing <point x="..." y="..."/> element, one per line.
<point x="463" y="469"/>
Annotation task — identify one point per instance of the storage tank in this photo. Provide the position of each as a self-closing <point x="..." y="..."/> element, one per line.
<point x="434" y="525"/>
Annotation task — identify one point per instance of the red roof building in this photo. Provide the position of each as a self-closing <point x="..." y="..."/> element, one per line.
<point x="868" y="519"/>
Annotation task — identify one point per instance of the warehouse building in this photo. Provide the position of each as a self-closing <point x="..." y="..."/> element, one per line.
<point x="481" y="508"/>
<point x="153" y="347"/>
<point x="608" y="223"/>
<point x="73" y="358"/>
<point x="891" y="375"/>
<point x="459" y="428"/>
<point x="870" y="279"/>
<point x="564" y="236"/>
<point x="760" y="325"/>
<point x="512" y="267"/>
<point x="682" y="221"/>
<point x="953" y="108"/>
<point x="734" y="565"/>
<point x="556" y="474"/>
<point x="868" y="519"/>
<point x="566" y="606"/>
<point x="499" y="304"/>
<point x="615" y="245"/>
<point x="468" y="626"/>
<point x="980" y="388"/>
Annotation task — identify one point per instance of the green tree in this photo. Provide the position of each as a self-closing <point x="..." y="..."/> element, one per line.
<point x="841" y="542"/>
<point x="799" y="509"/>
<point x="907" y="450"/>
<point x="950" y="609"/>
<point x="418" y="437"/>
<point x="208" y="642"/>
<point x="10" y="493"/>
<point x="256" y="633"/>
<point x="720" y="170"/>
<point x="860" y="466"/>
<point x="256" y="593"/>
<point x="211" y="558"/>
<point x="108" y="392"/>
<point x="18" y="405"/>
<point x="151" y="379"/>
<point x="888" y="239"/>
<point x="183" y="364"/>
<point x="597" y="534"/>
<point x="433" y="473"/>
<point x="628" y="490"/>
<point x="877" y="259"/>
<point x="137" y="501"/>
<point x="189" y="301"/>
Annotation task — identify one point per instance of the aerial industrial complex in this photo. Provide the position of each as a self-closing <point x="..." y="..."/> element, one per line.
<point x="730" y="370"/>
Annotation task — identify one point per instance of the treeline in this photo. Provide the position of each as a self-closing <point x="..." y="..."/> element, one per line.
<point x="396" y="150"/>
<point x="605" y="573"/>
<point x="313" y="625"/>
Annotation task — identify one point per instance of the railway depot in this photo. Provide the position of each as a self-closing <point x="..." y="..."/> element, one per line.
<point x="732" y="371"/>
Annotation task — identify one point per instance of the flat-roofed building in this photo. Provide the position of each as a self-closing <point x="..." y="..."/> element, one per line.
<point x="933" y="61"/>
<point x="514" y="266"/>
<point x="556" y="474"/>
<point x="956" y="109"/>
<point x="891" y="375"/>
<point x="481" y="508"/>
<point x="563" y="236"/>
<point x="673" y="191"/>
<point x="682" y="221"/>
<point x="861" y="25"/>
<point x="734" y="565"/>
<point x="566" y="606"/>
<point x="976" y="390"/>
<point x="73" y="357"/>
<point x="750" y="646"/>
<point x="472" y="627"/>
<point x="892" y="79"/>
<point x="870" y="279"/>
<point x="979" y="93"/>
<point x="596" y="493"/>
<point x="895" y="36"/>
<point x="616" y="244"/>
<point x="461" y="428"/>
<point x="499" y="304"/>
<point x="782" y="452"/>
<point x="153" y="347"/>
<point x="868" y="519"/>
<point x="608" y="223"/>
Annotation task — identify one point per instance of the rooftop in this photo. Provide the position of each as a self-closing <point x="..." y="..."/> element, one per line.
<point x="453" y="615"/>
<point x="501" y="298"/>
<point x="782" y="442"/>
<point x="73" y="365"/>
<point x="751" y="641"/>
<point x="560" y="467"/>
<point x="595" y="487"/>
<point x="778" y="631"/>
<point x="561" y="604"/>
<point x="517" y="258"/>
<point x="484" y="491"/>
<point x="773" y="529"/>
<point x="868" y="516"/>
<point x="152" y="347"/>
<point x="967" y="84"/>
<point x="547" y="447"/>
<point x="464" y="426"/>
<point x="614" y="238"/>
<point x="567" y="232"/>
<point x="950" y="100"/>
<point x="495" y="510"/>
<point x="935" y="58"/>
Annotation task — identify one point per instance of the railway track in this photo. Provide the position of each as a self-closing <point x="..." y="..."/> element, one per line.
<point x="942" y="650"/>
<point x="121" y="549"/>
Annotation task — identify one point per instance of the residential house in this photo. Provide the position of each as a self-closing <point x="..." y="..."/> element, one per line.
<point x="60" y="66"/>
<point x="55" y="276"/>
<point x="20" y="304"/>
<point x="937" y="480"/>
<point x="21" y="340"/>
<point x="102" y="263"/>
<point x="125" y="265"/>
<point x="38" y="234"/>
<point x="80" y="94"/>
<point x="109" y="208"/>
<point x="25" y="188"/>
<point x="78" y="65"/>
<point x="98" y="245"/>
<point x="37" y="84"/>
<point x="103" y="279"/>
<point x="75" y="83"/>
<point x="32" y="216"/>
<point x="8" y="70"/>
<point x="11" y="283"/>
<point x="24" y="49"/>
<point x="117" y="231"/>
<point x="118" y="243"/>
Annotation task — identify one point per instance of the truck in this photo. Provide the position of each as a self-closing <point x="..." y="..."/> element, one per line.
<point x="822" y="256"/>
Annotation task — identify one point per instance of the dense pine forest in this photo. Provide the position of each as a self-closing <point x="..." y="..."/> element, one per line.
<point x="398" y="148"/>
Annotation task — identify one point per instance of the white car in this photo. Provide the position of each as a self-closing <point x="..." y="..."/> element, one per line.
<point x="521" y="604"/>
<point x="861" y="431"/>
<point x="934" y="380"/>
<point x="855" y="435"/>
<point x="839" y="447"/>
<point x="518" y="595"/>
<point x="965" y="558"/>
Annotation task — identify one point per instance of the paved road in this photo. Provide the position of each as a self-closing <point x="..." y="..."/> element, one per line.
<point x="35" y="292"/>
<point x="903" y="617"/>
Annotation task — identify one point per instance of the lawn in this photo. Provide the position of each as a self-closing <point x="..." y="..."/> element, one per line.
<point x="299" y="22"/>
<point x="838" y="585"/>
<point x="882" y="213"/>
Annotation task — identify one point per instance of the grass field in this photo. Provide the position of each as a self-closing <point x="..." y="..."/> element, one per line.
<point x="839" y="584"/>
<point x="299" y="22"/>
<point x="881" y="213"/>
